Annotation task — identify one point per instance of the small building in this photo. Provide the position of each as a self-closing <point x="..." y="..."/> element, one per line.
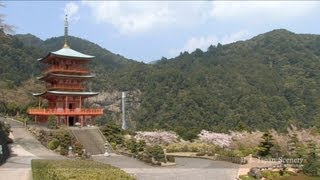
<point x="65" y="74"/>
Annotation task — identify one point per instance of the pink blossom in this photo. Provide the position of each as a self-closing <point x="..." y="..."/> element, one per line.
<point x="157" y="137"/>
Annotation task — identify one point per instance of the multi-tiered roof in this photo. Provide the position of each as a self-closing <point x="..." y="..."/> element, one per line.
<point x="65" y="75"/>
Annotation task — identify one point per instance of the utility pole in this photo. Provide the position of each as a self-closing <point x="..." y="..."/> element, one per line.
<point x="124" y="123"/>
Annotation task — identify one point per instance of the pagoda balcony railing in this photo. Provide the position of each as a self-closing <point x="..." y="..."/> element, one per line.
<point x="69" y="112"/>
<point x="65" y="69"/>
<point x="67" y="87"/>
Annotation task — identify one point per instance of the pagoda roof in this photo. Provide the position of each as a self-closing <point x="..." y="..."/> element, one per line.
<point x="68" y="53"/>
<point x="65" y="75"/>
<point x="69" y="93"/>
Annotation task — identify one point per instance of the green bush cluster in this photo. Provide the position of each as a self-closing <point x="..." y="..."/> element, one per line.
<point x="77" y="148"/>
<point x="312" y="163"/>
<point x="53" y="144"/>
<point x="75" y="169"/>
<point x="52" y="122"/>
<point x="134" y="147"/>
<point x="156" y="152"/>
<point x="113" y="133"/>
<point x="246" y="177"/>
<point x="267" y="174"/>
<point x="6" y="129"/>
<point x="171" y="158"/>
<point x="4" y="137"/>
<point x="200" y="154"/>
<point x="64" y="138"/>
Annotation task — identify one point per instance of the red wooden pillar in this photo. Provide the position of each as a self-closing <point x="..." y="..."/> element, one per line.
<point x="66" y="107"/>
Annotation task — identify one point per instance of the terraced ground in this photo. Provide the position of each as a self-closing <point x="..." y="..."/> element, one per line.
<point x="26" y="147"/>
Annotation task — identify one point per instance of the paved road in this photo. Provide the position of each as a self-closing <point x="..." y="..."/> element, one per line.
<point x="24" y="148"/>
<point x="185" y="169"/>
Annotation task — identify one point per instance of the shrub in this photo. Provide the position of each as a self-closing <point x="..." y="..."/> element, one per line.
<point x="6" y="129"/>
<point x="210" y="154"/>
<point x="246" y="177"/>
<point x="77" y="148"/>
<point x="146" y="158"/>
<point x="52" y="122"/>
<point x="200" y="154"/>
<point x="312" y="163"/>
<point x="141" y="145"/>
<point x="64" y="138"/>
<point x="131" y="144"/>
<point x="53" y="144"/>
<point x="64" y="151"/>
<point x="276" y="174"/>
<point x="75" y="169"/>
<point x="171" y="158"/>
<point x="156" y="152"/>
<point x="113" y="145"/>
<point x="113" y="133"/>
<point x="4" y="151"/>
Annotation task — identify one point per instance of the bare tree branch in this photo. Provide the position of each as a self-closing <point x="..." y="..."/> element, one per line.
<point x="6" y="28"/>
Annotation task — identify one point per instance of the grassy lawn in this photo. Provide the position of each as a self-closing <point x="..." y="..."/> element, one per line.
<point x="75" y="169"/>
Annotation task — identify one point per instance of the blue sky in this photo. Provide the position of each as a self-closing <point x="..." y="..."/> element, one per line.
<point x="148" y="30"/>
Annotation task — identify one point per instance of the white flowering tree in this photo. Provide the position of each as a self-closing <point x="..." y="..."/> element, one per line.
<point x="157" y="137"/>
<point x="219" y="139"/>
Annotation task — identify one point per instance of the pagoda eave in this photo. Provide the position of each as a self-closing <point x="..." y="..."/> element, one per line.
<point x="66" y="93"/>
<point x="67" y="53"/>
<point x="65" y="76"/>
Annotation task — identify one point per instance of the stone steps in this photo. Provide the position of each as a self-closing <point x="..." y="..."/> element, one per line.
<point x="91" y="139"/>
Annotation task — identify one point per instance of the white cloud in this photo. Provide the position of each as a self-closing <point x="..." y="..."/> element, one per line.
<point x="262" y="10"/>
<point x="72" y="9"/>
<point x="142" y="16"/>
<point x="203" y="42"/>
<point x="131" y="17"/>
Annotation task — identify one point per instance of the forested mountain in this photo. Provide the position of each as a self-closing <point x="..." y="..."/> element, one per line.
<point x="269" y="81"/>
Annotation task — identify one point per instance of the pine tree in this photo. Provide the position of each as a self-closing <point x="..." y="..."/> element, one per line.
<point x="295" y="147"/>
<point x="312" y="163"/>
<point x="266" y="144"/>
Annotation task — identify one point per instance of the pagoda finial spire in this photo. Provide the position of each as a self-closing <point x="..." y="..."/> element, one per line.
<point x="66" y="33"/>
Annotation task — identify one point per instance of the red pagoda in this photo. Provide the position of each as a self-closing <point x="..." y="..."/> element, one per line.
<point x="65" y="75"/>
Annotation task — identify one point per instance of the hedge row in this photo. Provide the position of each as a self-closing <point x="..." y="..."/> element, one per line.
<point x="75" y="169"/>
<point x="4" y="140"/>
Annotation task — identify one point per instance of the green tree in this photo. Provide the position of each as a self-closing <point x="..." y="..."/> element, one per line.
<point x="296" y="148"/>
<point x="52" y="122"/>
<point x="266" y="144"/>
<point x="312" y="165"/>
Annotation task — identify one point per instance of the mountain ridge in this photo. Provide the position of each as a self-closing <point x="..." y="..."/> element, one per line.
<point x="267" y="82"/>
